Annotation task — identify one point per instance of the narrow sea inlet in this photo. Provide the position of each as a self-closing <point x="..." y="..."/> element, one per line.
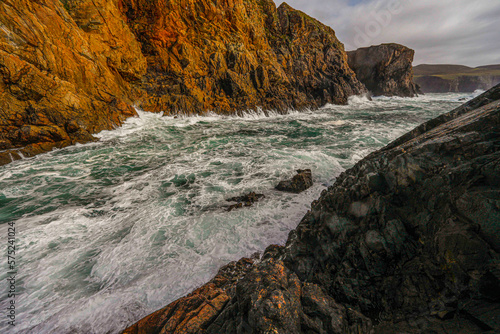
<point x="110" y="231"/>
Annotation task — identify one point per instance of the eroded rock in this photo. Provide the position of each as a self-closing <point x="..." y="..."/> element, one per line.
<point x="300" y="182"/>
<point x="385" y="69"/>
<point x="69" y="69"/>
<point x="245" y="200"/>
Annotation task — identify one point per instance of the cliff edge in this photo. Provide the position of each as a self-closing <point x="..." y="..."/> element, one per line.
<point x="72" y="68"/>
<point x="405" y="241"/>
<point x="456" y="78"/>
<point x="385" y="69"/>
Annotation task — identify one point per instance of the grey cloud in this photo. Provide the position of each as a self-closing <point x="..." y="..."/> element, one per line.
<point x="446" y="31"/>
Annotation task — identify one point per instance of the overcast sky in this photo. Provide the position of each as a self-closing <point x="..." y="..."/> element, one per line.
<point x="465" y="32"/>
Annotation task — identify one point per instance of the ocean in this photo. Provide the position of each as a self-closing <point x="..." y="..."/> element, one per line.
<point x="111" y="231"/>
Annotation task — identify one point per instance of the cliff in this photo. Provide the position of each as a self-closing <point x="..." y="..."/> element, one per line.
<point x="62" y="68"/>
<point x="456" y="78"/>
<point x="71" y="68"/>
<point x="405" y="241"/>
<point x="385" y="69"/>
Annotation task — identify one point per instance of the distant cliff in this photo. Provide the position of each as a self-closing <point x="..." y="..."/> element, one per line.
<point x="71" y="68"/>
<point x="406" y="241"/>
<point x="456" y="78"/>
<point x="385" y="69"/>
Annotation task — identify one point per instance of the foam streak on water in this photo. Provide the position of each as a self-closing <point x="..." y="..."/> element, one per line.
<point x="111" y="231"/>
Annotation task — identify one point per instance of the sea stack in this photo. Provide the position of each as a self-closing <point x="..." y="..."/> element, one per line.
<point x="385" y="69"/>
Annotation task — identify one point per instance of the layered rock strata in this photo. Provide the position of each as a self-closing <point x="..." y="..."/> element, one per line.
<point x="385" y="69"/>
<point x="71" y="68"/>
<point x="405" y="241"/>
<point x="456" y="78"/>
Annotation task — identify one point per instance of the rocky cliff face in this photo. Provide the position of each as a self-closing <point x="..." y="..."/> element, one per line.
<point x="71" y="68"/>
<point x="456" y="78"/>
<point x="385" y="69"/>
<point x="405" y="241"/>
<point x="63" y="67"/>
<point x="237" y="55"/>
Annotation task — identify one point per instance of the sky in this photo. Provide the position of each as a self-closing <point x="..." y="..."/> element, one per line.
<point x="464" y="32"/>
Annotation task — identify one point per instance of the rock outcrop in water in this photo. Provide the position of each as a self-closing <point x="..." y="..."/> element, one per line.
<point x="385" y="69"/>
<point x="298" y="183"/>
<point x="407" y="241"/>
<point x="456" y="78"/>
<point x="71" y="68"/>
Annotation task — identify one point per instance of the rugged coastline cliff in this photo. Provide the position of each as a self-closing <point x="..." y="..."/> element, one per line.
<point x="71" y="68"/>
<point x="385" y="69"/>
<point x="405" y="241"/>
<point x="456" y="78"/>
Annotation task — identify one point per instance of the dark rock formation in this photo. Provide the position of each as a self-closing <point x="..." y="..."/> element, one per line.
<point x="300" y="182"/>
<point x="407" y="241"/>
<point x="385" y="69"/>
<point x="71" y="68"/>
<point x="456" y="78"/>
<point x="245" y="200"/>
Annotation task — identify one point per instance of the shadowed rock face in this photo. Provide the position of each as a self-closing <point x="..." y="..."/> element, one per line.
<point x="385" y="69"/>
<point x="71" y="68"/>
<point x="405" y="241"/>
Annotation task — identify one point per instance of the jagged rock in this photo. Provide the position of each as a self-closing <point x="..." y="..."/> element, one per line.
<point x="59" y="82"/>
<point x="237" y="55"/>
<point x="197" y="310"/>
<point x="385" y="69"/>
<point x="300" y="182"/>
<point x="71" y="68"/>
<point x="245" y="200"/>
<point x="406" y="241"/>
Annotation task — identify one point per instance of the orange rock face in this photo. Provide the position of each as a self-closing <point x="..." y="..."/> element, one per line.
<point x="65" y="69"/>
<point x="237" y="55"/>
<point x="71" y="68"/>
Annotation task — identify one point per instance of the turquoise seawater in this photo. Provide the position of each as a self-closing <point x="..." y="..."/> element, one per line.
<point x="110" y="231"/>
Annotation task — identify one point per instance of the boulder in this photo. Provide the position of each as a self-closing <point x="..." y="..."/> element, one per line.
<point x="245" y="200"/>
<point x="297" y="184"/>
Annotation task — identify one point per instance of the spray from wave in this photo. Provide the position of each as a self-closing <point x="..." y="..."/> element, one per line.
<point x="113" y="230"/>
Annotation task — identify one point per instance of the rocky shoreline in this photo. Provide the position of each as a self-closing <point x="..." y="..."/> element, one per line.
<point x="406" y="241"/>
<point x="70" y="69"/>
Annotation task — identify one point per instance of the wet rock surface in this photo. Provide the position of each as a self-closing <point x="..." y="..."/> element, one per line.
<point x="72" y="68"/>
<point x="245" y="200"/>
<point x="404" y="242"/>
<point x="385" y="69"/>
<point x="297" y="184"/>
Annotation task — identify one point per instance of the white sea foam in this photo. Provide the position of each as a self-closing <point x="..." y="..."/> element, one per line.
<point x="113" y="230"/>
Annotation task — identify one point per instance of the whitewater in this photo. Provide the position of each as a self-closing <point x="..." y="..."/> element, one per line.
<point x="111" y="231"/>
